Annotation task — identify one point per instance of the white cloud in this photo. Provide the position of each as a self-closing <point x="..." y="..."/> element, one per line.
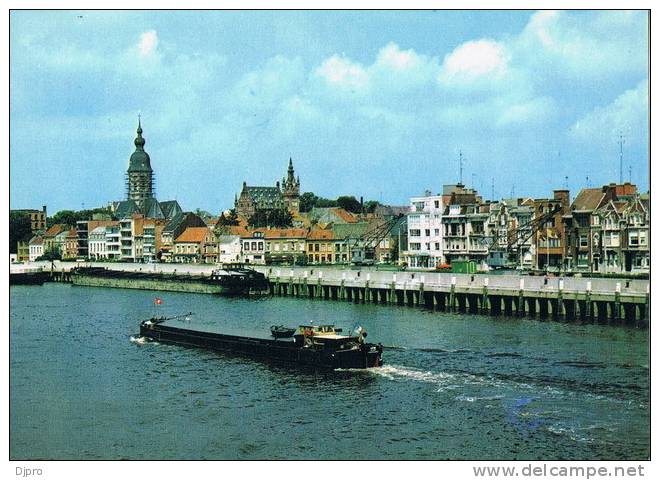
<point x="393" y="57"/>
<point x="628" y="114"/>
<point x="475" y="59"/>
<point x="148" y="43"/>
<point x="583" y="44"/>
<point x="342" y="72"/>
<point x="535" y="111"/>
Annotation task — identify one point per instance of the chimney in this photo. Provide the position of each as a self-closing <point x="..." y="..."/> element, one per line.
<point x="44" y="208"/>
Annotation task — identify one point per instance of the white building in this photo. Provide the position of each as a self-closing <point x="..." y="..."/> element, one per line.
<point x="229" y="248"/>
<point x="97" y="243"/>
<point x="254" y="249"/>
<point x="425" y="235"/>
<point x="36" y="248"/>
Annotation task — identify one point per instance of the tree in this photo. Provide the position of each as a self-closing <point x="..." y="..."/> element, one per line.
<point x="20" y="229"/>
<point x="371" y="205"/>
<point x="280" y="218"/>
<point x="70" y="217"/>
<point x="350" y="204"/>
<point x="51" y="254"/>
<point x="307" y="201"/>
<point x="230" y="219"/>
<point x="67" y="217"/>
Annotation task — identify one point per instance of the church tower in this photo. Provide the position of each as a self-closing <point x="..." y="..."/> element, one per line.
<point x="140" y="176"/>
<point x="291" y="190"/>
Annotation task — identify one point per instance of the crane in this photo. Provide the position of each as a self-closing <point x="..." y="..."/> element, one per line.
<point x="515" y="238"/>
<point x="363" y="247"/>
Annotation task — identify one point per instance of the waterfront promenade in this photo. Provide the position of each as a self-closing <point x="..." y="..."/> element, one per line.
<point x="572" y="298"/>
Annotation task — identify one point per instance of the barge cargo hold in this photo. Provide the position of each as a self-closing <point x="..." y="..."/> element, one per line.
<point x="221" y="281"/>
<point x="323" y="350"/>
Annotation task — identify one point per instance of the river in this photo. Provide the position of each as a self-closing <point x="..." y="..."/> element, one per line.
<point x="453" y="386"/>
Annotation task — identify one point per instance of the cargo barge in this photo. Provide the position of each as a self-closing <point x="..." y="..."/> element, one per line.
<point x="315" y="346"/>
<point x="221" y="281"/>
<point x="28" y="278"/>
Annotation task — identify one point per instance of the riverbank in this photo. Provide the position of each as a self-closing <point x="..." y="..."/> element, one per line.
<point x="607" y="300"/>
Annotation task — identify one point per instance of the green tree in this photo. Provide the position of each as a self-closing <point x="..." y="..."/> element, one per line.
<point x="280" y="218"/>
<point x="230" y="219"/>
<point x="20" y="229"/>
<point x="307" y="201"/>
<point x="370" y="206"/>
<point x="51" y="254"/>
<point x="350" y="204"/>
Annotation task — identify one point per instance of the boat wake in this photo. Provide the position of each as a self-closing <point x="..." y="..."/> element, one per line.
<point x="139" y="340"/>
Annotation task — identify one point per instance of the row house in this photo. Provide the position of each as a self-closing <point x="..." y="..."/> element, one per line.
<point x="510" y="232"/>
<point x="608" y="230"/>
<point x="285" y="245"/>
<point x="320" y="246"/>
<point x="425" y="232"/>
<point x="253" y="247"/>
<point x="550" y="238"/>
<point x="172" y="230"/>
<point x="192" y="244"/>
<point x="346" y="236"/>
<point x="104" y="242"/>
<point x="36" y="248"/>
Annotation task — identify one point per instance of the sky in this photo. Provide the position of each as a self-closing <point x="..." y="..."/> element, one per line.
<point x="378" y="104"/>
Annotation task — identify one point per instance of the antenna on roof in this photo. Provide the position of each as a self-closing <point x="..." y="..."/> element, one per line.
<point x="566" y="182"/>
<point x="460" y="167"/>
<point x="621" y="142"/>
<point x="630" y="173"/>
<point x="492" y="188"/>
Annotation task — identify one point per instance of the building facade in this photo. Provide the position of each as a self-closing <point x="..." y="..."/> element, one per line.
<point x="425" y="232"/>
<point x="254" y="199"/>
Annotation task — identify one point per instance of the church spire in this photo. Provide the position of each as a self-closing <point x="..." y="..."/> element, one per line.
<point x="139" y="141"/>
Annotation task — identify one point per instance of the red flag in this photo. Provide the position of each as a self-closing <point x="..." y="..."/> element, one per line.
<point x="158" y="301"/>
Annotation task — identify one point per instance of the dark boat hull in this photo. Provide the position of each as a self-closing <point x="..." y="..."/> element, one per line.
<point x="366" y="356"/>
<point x="28" y="278"/>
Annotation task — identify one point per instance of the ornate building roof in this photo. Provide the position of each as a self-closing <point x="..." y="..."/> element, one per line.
<point x="139" y="161"/>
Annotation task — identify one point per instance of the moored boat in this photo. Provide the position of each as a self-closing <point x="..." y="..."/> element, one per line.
<point x="318" y="346"/>
<point x="280" y="331"/>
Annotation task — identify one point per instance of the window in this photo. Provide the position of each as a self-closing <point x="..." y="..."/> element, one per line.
<point x="584" y="241"/>
<point x="595" y="220"/>
<point x="633" y="239"/>
<point x="436" y="203"/>
<point x="436" y="232"/>
<point x="427" y="232"/>
<point x="415" y="246"/>
<point x="642" y="237"/>
<point x="437" y="245"/>
<point x="414" y="232"/>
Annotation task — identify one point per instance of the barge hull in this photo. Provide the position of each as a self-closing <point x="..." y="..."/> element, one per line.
<point x="288" y="351"/>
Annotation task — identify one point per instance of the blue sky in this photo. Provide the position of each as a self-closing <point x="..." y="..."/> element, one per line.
<point x="373" y="104"/>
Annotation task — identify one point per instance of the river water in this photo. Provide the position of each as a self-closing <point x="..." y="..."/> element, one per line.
<point x="453" y="387"/>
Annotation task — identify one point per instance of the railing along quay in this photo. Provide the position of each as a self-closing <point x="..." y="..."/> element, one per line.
<point x="603" y="300"/>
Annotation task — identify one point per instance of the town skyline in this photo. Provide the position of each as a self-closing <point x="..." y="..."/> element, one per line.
<point x="385" y="105"/>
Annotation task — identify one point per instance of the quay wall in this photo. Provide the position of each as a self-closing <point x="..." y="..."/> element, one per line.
<point x="575" y="299"/>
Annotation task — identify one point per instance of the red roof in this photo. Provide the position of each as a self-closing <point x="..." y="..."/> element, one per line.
<point x="55" y="230"/>
<point x="285" y="233"/>
<point x="193" y="235"/>
<point x="345" y="215"/>
<point x="320" y="234"/>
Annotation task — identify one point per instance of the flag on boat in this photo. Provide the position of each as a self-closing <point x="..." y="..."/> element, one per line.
<point x="158" y="301"/>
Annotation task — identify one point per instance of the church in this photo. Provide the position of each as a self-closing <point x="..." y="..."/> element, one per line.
<point x="140" y="191"/>
<point x="282" y="196"/>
